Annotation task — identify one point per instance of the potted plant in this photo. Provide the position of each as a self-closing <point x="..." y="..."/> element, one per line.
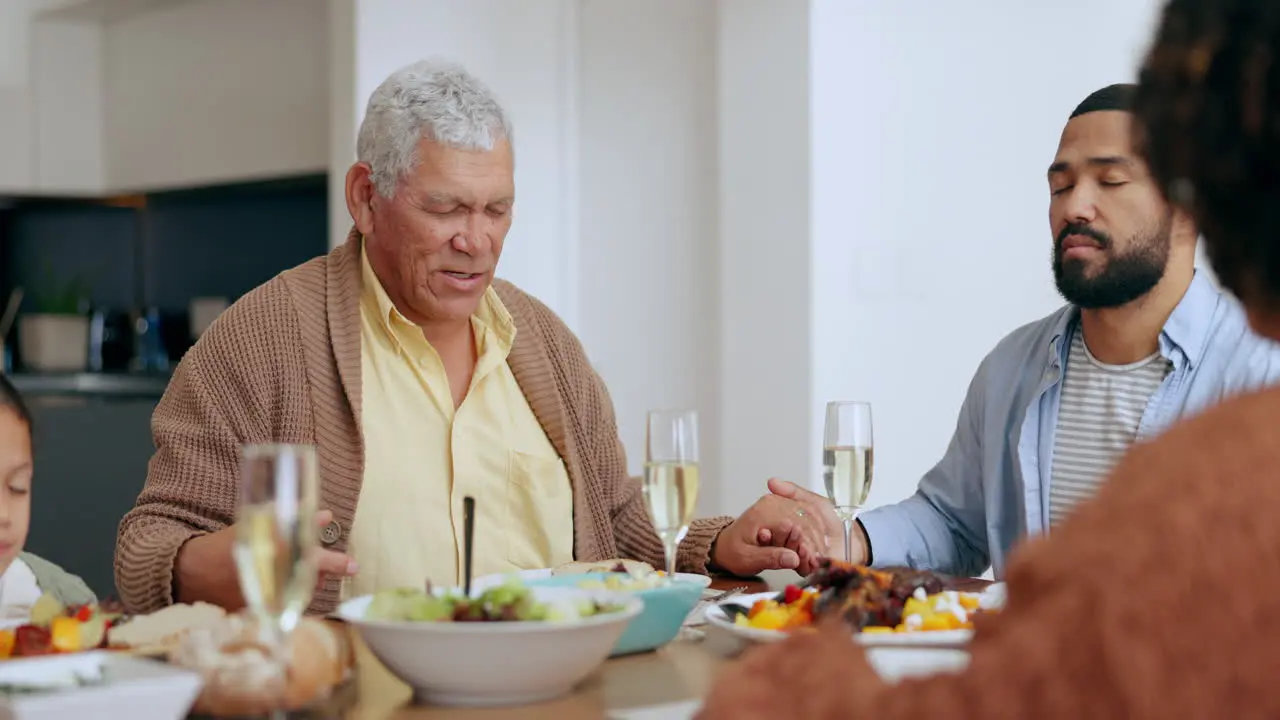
<point x="55" y="338"/>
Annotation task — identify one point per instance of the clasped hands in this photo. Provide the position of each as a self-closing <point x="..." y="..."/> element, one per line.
<point x="790" y="528"/>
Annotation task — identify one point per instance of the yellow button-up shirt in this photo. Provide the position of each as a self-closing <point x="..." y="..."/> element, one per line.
<point x="422" y="458"/>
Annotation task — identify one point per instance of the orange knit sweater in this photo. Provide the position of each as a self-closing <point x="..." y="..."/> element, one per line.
<point x="283" y="365"/>
<point x="1160" y="598"/>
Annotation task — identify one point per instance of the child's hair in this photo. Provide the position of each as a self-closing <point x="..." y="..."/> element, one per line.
<point x="10" y="400"/>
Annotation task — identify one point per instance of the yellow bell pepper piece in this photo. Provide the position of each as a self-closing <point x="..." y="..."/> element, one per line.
<point x="936" y="622"/>
<point x="65" y="633"/>
<point x="916" y="607"/>
<point x="774" y="618"/>
<point x="6" y="643"/>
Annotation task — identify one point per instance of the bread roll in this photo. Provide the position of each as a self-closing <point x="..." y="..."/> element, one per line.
<point x="241" y="678"/>
<point x="635" y="568"/>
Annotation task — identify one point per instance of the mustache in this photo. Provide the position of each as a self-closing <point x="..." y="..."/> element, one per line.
<point x="1103" y="239"/>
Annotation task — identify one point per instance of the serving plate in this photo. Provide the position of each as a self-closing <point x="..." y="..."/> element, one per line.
<point x="116" y="686"/>
<point x="720" y="621"/>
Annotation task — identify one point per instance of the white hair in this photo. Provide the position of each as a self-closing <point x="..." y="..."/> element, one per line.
<point x="431" y="99"/>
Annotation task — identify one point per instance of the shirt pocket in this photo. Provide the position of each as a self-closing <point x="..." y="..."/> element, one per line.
<point x="539" y="512"/>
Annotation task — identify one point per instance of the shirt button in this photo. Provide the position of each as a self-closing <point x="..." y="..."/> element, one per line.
<point x="331" y="533"/>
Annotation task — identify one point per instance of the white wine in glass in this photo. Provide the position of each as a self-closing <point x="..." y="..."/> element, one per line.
<point x="847" y="458"/>
<point x="671" y="476"/>
<point x="276" y="535"/>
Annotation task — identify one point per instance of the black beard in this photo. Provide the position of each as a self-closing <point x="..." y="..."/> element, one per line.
<point x="1123" y="279"/>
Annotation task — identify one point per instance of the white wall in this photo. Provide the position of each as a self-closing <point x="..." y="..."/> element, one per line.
<point x="648" y="258"/>
<point x="764" y="196"/>
<point x="931" y="134"/>
<point x="524" y="51"/>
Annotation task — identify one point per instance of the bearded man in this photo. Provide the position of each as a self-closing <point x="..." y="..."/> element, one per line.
<point x="1144" y="341"/>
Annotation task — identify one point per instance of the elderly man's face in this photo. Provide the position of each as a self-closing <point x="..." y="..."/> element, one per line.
<point x="436" y="243"/>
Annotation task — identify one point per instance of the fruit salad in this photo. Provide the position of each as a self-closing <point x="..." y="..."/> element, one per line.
<point x="55" y="628"/>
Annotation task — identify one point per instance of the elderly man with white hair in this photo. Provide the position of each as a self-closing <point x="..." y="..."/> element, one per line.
<point x="420" y="379"/>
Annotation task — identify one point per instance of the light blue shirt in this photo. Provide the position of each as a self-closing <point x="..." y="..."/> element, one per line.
<point x="991" y="488"/>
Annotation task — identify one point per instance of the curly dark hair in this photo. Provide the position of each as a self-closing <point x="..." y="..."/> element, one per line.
<point x="1208" y="112"/>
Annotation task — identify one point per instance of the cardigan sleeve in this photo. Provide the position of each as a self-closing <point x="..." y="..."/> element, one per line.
<point x="239" y="384"/>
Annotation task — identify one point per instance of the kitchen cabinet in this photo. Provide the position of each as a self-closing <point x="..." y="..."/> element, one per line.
<point x="16" y="172"/>
<point x="90" y="464"/>
<point x="105" y="97"/>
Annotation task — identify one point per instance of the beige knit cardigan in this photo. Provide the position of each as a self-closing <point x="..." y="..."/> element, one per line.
<point x="282" y="364"/>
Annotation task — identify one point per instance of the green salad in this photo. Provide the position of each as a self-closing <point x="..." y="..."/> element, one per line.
<point x="510" y="602"/>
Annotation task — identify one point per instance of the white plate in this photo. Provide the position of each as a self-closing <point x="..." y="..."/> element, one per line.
<point x="717" y="618"/>
<point x="481" y="584"/>
<point x="131" y="688"/>
<point x="898" y="663"/>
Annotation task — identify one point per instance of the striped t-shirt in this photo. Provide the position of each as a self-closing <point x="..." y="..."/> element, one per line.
<point x="1098" y="418"/>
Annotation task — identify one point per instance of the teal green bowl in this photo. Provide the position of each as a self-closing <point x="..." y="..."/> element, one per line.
<point x="665" y="609"/>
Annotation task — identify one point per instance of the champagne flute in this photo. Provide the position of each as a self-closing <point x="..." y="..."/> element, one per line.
<point x="671" y="476"/>
<point x="277" y="539"/>
<point x="847" y="462"/>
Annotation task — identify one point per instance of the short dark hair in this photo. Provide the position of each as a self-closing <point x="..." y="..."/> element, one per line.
<point x="11" y="400"/>
<point x="1111" y="97"/>
<point x="1208" y="113"/>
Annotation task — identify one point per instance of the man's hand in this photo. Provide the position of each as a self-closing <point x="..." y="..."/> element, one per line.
<point x="832" y="525"/>
<point x="776" y="533"/>
<point x="205" y="570"/>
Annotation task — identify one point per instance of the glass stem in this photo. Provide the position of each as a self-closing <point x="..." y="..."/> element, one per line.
<point x="671" y="546"/>
<point x="848" y="538"/>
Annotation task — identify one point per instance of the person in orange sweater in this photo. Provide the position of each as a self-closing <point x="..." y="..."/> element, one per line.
<point x="1159" y="598"/>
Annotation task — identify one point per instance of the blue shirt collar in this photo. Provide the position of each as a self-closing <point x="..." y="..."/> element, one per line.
<point x="1186" y="331"/>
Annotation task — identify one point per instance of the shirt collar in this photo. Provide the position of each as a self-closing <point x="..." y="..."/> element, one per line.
<point x="1186" y="330"/>
<point x="1189" y="325"/>
<point x="492" y="321"/>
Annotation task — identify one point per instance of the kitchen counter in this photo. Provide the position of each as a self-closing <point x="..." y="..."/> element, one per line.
<point x="102" y="385"/>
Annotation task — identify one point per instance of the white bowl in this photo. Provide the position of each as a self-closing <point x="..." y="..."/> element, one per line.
<point x="494" y="663"/>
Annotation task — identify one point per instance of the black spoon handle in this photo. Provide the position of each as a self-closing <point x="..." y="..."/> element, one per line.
<point x="468" y="538"/>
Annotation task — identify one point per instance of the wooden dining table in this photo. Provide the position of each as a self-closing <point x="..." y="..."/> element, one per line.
<point x="680" y="672"/>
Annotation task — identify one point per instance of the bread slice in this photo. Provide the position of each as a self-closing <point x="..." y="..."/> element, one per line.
<point x="162" y="629"/>
<point x="635" y="568"/>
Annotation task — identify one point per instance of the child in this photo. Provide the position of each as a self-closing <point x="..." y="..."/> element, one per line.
<point x="23" y="576"/>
